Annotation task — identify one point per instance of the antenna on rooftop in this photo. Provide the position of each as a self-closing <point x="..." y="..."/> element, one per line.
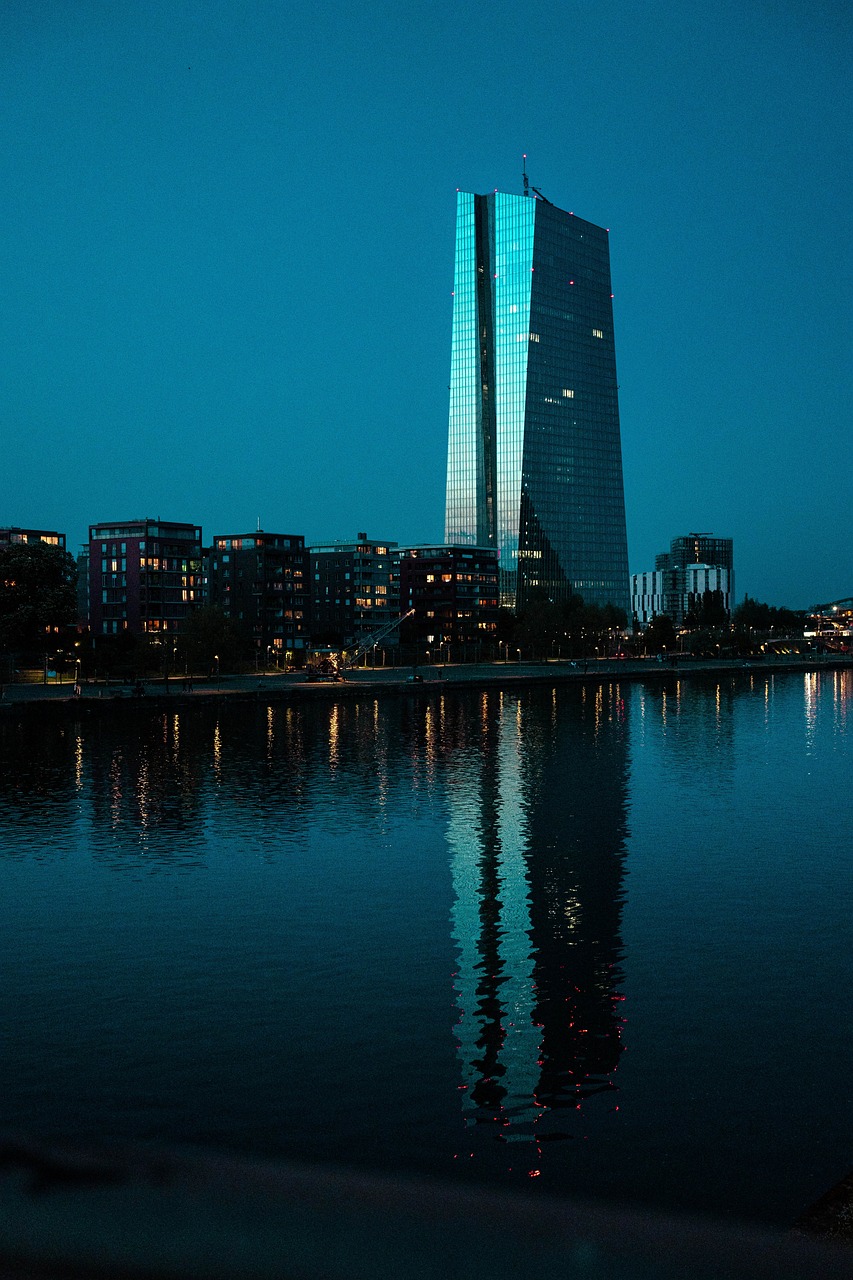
<point x="259" y="524"/>
<point x="528" y="185"/>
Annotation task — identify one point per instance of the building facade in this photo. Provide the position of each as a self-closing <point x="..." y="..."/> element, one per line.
<point x="534" y="464"/>
<point x="647" y="595"/>
<point x="144" y="576"/>
<point x="260" y="581"/>
<point x="354" y="590"/>
<point x="12" y="535"/>
<point x="453" y="591"/>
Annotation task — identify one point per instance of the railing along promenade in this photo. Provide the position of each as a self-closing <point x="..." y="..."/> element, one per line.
<point x="411" y="681"/>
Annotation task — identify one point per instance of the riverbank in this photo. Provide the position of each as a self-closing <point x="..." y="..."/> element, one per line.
<point x="97" y="698"/>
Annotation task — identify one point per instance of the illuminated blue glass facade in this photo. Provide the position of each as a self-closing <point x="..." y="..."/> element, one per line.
<point x="534" y="465"/>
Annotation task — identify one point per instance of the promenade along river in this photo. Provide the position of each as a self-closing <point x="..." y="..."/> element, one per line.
<point x="594" y="940"/>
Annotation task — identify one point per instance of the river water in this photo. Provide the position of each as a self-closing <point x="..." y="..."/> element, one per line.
<point x="591" y="939"/>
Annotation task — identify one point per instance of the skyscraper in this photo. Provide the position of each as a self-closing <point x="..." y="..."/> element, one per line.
<point x="534" y="464"/>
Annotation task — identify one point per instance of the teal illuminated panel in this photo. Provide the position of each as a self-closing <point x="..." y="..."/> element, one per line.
<point x="465" y="480"/>
<point x="514" y="226"/>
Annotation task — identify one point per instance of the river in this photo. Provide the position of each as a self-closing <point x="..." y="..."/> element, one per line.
<point x="594" y="939"/>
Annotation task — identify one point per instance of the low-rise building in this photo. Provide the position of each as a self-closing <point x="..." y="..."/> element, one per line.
<point x="11" y="534"/>
<point x="354" y="590"/>
<point x="453" y="591"/>
<point x="144" y="576"/>
<point x="260" y="581"/>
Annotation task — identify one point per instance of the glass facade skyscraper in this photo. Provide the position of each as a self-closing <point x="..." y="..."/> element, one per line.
<point x="534" y="465"/>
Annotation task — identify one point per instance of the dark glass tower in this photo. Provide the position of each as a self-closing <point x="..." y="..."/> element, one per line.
<point x="534" y="462"/>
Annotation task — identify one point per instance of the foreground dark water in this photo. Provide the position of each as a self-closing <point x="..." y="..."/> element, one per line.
<point x="591" y="940"/>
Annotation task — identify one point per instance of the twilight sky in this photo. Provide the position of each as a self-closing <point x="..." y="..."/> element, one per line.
<point x="227" y="258"/>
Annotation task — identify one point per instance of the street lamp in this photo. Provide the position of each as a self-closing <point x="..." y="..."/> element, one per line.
<point x="216" y="660"/>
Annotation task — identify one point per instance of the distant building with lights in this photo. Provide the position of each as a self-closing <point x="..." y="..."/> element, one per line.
<point x="534" y="460"/>
<point x="11" y="535"/>
<point x="453" y="591"/>
<point x="354" y="590"/>
<point x="144" y="576"/>
<point x="260" y="581"/>
<point x="697" y="569"/>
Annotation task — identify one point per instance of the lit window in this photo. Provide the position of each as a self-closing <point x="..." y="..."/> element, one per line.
<point x="598" y="333"/>
<point x="570" y="395"/>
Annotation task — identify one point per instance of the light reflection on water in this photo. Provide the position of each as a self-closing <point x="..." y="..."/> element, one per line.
<point x="594" y="935"/>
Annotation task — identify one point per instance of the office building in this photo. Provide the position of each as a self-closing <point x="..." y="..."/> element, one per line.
<point x="534" y="465"/>
<point x="694" y="579"/>
<point x="647" y="595"/>
<point x="697" y="548"/>
<point x="260" y="581"/>
<point x="354" y="590"/>
<point x="453" y="591"/>
<point x="144" y="576"/>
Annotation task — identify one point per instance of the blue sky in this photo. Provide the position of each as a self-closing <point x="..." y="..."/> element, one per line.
<point x="227" y="258"/>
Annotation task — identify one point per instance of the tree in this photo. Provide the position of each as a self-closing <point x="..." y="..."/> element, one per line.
<point x="765" y="617"/>
<point x="209" y="634"/>
<point x="660" y="633"/>
<point x="38" y="596"/>
<point x="576" y="627"/>
<point x="707" y="609"/>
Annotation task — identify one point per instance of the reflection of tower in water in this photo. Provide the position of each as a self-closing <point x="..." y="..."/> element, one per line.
<point x="537" y="837"/>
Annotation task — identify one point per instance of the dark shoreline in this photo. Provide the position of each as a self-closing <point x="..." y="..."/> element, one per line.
<point x="58" y="700"/>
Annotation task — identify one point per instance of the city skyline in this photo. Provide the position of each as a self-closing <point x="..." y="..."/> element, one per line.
<point x="227" y="260"/>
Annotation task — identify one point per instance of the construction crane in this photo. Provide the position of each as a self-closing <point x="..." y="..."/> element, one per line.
<point x="369" y="641"/>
